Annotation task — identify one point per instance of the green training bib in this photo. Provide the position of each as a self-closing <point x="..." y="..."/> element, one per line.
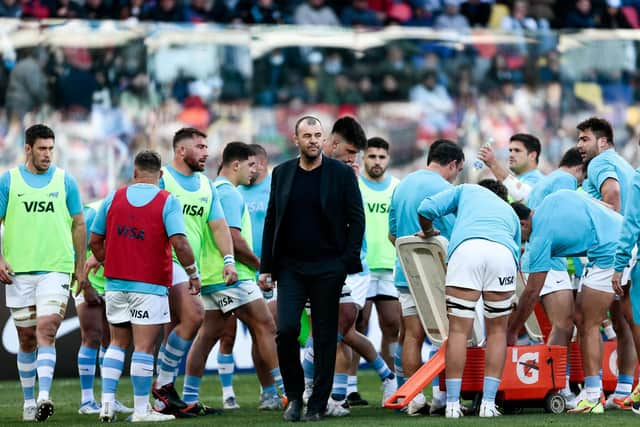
<point x="211" y="261"/>
<point x="195" y="209"/>
<point x="381" y="254"/>
<point x="37" y="231"/>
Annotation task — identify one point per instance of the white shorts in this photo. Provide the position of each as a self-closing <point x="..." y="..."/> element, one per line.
<point x="557" y="281"/>
<point x="179" y="275"/>
<point x="229" y="299"/>
<point x="137" y="308"/>
<point x="407" y="303"/>
<point x="600" y="278"/>
<point x="79" y="299"/>
<point x="48" y="292"/>
<point x="482" y="265"/>
<point x="381" y="283"/>
<point x="345" y="296"/>
<point x="359" y="286"/>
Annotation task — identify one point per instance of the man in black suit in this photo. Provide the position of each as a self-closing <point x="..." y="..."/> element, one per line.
<point x="312" y="238"/>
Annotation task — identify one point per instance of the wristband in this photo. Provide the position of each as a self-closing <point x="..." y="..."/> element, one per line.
<point x="191" y="269"/>
<point x="229" y="260"/>
<point x="194" y="276"/>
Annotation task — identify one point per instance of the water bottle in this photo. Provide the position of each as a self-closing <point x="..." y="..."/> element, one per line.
<point x="477" y="163"/>
<point x="268" y="294"/>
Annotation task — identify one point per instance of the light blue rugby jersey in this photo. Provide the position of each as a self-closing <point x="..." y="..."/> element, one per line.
<point x="403" y="212"/>
<point x="549" y="184"/>
<point x="480" y="214"/>
<point x="630" y="226"/>
<point x="569" y="223"/>
<point x="605" y="165"/>
<point x="256" y="198"/>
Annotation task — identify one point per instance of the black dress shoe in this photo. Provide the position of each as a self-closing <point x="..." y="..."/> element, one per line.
<point x="293" y="411"/>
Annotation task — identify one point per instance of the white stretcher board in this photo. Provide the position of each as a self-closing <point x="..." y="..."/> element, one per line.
<point x="424" y="264"/>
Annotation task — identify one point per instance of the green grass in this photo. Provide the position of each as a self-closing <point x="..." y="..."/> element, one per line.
<point x="66" y="393"/>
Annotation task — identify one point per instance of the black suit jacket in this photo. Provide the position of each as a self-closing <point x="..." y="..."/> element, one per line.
<point x="341" y="204"/>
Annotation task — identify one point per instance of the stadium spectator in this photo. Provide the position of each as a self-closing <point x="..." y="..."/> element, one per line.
<point x="397" y="66"/>
<point x="421" y="17"/>
<point x="27" y="90"/>
<point x="139" y="98"/>
<point x="359" y="15"/>
<point x="131" y="9"/>
<point x="228" y="11"/>
<point x="163" y="11"/>
<point x="613" y="17"/>
<point x="10" y="8"/>
<point x="435" y="104"/>
<point x="68" y="9"/>
<point x="519" y="18"/>
<point x="264" y="12"/>
<point x="451" y="19"/>
<point x="315" y="12"/>
<point x="197" y="11"/>
<point x="391" y="89"/>
<point x="582" y="16"/>
<point x="96" y="9"/>
<point x="35" y="9"/>
<point x="476" y="12"/>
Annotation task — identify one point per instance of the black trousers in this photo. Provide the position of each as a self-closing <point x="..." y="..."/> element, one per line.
<point x="323" y="291"/>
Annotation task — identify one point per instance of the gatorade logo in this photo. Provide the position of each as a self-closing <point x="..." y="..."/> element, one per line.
<point x="36" y="207"/>
<point x="139" y="314"/>
<point x="378" y="207"/>
<point x="192" y="210"/>
<point x="130" y="232"/>
<point x="527" y="368"/>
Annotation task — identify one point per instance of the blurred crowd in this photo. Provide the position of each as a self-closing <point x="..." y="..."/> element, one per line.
<point x="108" y="102"/>
<point x="450" y="14"/>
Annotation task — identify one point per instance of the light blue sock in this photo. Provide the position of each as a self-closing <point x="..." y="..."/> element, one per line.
<point x="624" y="386"/>
<point x="453" y="389"/>
<point x="160" y="358"/>
<point x="352" y="384"/>
<point x="270" y="390"/>
<point x="172" y="353"/>
<point x="225" y="372"/>
<point x="141" y="377"/>
<point x="27" y="373"/>
<point x="87" y="372"/>
<point x="45" y="365"/>
<point x="112" y="366"/>
<point x="277" y="378"/>
<point x="191" y="389"/>
<point x="397" y="364"/>
<point x="103" y="350"/>
<point x="307" y="361"/>
<point x="381" y="368"/>
<point x="490" y="389"/>
<point x="339" y="391"/>
<point x="592" y="387"/>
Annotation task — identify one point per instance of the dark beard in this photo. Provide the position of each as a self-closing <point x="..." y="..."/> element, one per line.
<point x="193" y="165"/>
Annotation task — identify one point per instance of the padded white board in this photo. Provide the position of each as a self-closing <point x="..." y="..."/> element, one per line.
<point x="424" y="265"/>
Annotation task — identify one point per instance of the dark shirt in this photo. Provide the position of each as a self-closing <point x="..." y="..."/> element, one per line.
<point x="306" y="231"/>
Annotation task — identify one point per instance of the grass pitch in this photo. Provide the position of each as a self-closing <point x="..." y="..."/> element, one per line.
<point x="66" y="395"/>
